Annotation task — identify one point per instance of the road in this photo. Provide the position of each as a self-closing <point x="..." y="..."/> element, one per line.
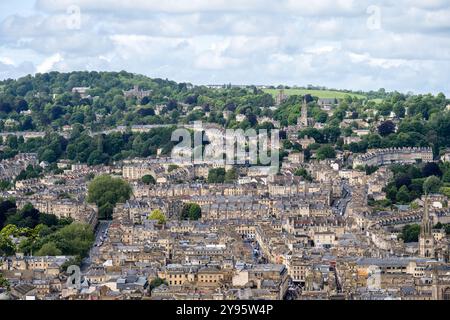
<point x="340" y="206"/>
<point x="100" y="231"/>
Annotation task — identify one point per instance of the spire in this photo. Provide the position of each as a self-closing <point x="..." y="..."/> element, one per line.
<point x="426" y="228"/>
<point x="303" y="121"/>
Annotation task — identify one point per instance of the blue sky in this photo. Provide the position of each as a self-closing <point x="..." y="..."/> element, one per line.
<point x="353" y="44"/>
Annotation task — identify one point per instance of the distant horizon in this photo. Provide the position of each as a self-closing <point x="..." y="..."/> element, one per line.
<point x="306" y="87"/>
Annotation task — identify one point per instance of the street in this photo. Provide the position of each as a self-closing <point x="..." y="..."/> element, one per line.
<point x="101" y="234"/>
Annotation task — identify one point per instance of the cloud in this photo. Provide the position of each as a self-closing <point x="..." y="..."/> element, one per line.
<point x="49" y="63"/>
<point x="298" y="42"/>
<point x="12" y="71"/>
<point x="156" y="6"/>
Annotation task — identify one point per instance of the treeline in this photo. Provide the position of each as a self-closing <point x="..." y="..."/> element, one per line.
<point x="220" y="175"/>
<point x="93" y="150"/>
<point x="421" y="121"/>
<point x="410" y="233"/>
<point x="46" y="100"/>
<point x="424" y="121"/>
<point x="41" y="234"/>
<point x="27" y="217"/>
<point x="410" y="182"/>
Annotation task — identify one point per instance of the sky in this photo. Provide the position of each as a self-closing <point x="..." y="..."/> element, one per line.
<point x="399" y="45"/>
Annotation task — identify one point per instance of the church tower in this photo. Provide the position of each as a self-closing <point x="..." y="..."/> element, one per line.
<point x="303" y="119"/>
<point x="426" y="239"/>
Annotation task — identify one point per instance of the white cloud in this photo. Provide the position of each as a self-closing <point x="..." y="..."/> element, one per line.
<point x="300" y="42"/>
<point x="6" y="61"/>
<point x="156" y="6"/>
<point x="49" y="63"/>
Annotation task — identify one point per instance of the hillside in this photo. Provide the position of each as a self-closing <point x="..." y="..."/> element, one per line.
<point x="323" y="94"/>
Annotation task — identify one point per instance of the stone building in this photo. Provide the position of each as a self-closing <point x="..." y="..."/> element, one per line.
<point x="426" y="238"/>
<point x="382" y="157"/>
<point x="136" y="92"/>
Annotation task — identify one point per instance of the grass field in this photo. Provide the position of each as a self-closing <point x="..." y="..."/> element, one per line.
<point x="325" y="94"/>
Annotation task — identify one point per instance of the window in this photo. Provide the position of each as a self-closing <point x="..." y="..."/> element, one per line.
<point x="446" y="295"/>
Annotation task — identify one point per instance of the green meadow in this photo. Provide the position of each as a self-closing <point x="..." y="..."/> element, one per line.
<point x="325" y="94"/>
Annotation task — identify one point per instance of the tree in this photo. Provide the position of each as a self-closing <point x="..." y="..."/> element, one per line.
<point x="5" y="185"/>
<point x="191" y="99"/>
<point x="12" y="142"/>
<point x="29" y="173"/>
<point x="148" y="179"/>
<point x="4" y="283"/>
<point x="119" y="102"/>
<point x="446" y="176"/>
<point x="312" y="133"/>
<point x="49" y="249"/>
<point x="371" y="169"/>
<point x="399" y="110"/>
<point x="432" y="185"/>
<point x="155" y="283"/>
<point x="403" y="180"/>
<point x="74" y="239"/>
<point x="49" y="156"/>
<point x="386" y="128"/>
<point x="251" y="117"/>
<point x="48" y="219"/>
<point x="231" y="175"/>
<point x="145" y="100"/>
<point x="216" y="175"/>
<point x="191" y="211"/>
<point x="302" y="172"/>
<point x="27" y="217"/>
<point x="326" y="152"/>
<point x="105" y="212"/>
<point x="5" y="107"/>
<point x="410" y="233"/>
<point x="144" y="112"/>
<point x="158" y="215"/>
<point x="106" y="191"/>
<point x="7" y="207"/>
<point x="321" y="117"/>
<point x="403" y="195"/>
<point x="7" y="246"/>
<point x="431" y="169"/>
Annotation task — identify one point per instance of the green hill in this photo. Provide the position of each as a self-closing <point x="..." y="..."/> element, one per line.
<point x="325" y="94"/>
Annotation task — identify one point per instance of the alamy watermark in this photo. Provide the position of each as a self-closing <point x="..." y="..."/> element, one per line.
<point x="374" y="19"/>
<point x="73" y="20"/>
<point x="374" y="278"/>
<point x="227" y="147"/>
<point x="74" y="278"/>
